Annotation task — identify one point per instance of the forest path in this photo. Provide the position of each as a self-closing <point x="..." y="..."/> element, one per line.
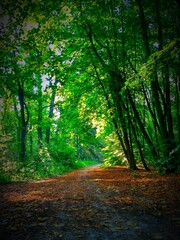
<point x="92" y="204"/>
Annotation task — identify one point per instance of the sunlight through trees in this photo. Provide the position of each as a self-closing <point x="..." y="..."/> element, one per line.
<point x="95" y="80"/>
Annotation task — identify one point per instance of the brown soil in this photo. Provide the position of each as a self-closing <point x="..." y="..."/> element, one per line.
<point x="92" y="203"/>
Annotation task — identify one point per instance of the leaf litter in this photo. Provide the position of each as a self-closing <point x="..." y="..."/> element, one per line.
<point x="92" y="203"/>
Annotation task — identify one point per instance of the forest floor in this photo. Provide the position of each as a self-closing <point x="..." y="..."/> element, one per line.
<point x="92" y="204"/>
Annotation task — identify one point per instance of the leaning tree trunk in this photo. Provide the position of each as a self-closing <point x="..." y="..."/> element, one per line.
<point x="116" y="83"/>
<point x="161" y="99"/>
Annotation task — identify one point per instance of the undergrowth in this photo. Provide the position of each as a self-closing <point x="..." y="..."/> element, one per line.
<point x="38" y="169"/>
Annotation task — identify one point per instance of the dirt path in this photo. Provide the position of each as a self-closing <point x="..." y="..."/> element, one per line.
<point x="91" y="204"/>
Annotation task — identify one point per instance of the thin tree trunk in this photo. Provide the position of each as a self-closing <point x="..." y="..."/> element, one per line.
<point x="24" y="122"/>
<point x="156" y="124"/>
<point x="31" y="140"/>
<point x="40" y="132"/>
<point x="142" y="128"/>
<point x="19" y="123"/>
<point x="168" y="106"/>
<point x="51" y="109"/>
<point x="119" y="104"/>
<point x="177" y="96"/>
<point x="115" y="124"/>
<point x="139" y="148"/>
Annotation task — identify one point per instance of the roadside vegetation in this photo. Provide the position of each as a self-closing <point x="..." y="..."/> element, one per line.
<point x="43" y="169"/>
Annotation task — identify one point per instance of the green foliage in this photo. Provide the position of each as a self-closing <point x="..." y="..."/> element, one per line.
<point x="84" y="163"/>
<point x="63" y="153"/>
<point x="38" y="168"/>
<point x="169" y="164"/>
<point x="87" y="85"/>
<point x="113" y="154"/>
<point x="4" y="178"/>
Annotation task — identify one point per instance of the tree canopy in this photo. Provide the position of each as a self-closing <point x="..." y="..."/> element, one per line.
<point x="92" y="80"/>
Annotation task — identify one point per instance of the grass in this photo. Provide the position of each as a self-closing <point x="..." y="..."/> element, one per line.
<point x="85" y="163"/>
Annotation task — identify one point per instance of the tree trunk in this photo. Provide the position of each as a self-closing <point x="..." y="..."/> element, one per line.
<point x="177" y="97"/>
<point x="139" y="148"/>
<point x="24" y="122"/>
<point x="31" y="140"/>
<point x="114" y="120"/>
<point x="116" y="83"/>
<point x="40" y="132"/>
<point x="142" y="128"/>
<point x="51" y="109"/>
<point x="19" y="124"/>
<point x="161" y="102"/>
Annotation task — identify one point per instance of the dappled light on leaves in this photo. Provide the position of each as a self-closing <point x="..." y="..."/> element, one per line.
<point x="78" y="86"/>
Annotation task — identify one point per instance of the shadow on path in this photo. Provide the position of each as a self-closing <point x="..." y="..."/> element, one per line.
<point x="74" y="206"/>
